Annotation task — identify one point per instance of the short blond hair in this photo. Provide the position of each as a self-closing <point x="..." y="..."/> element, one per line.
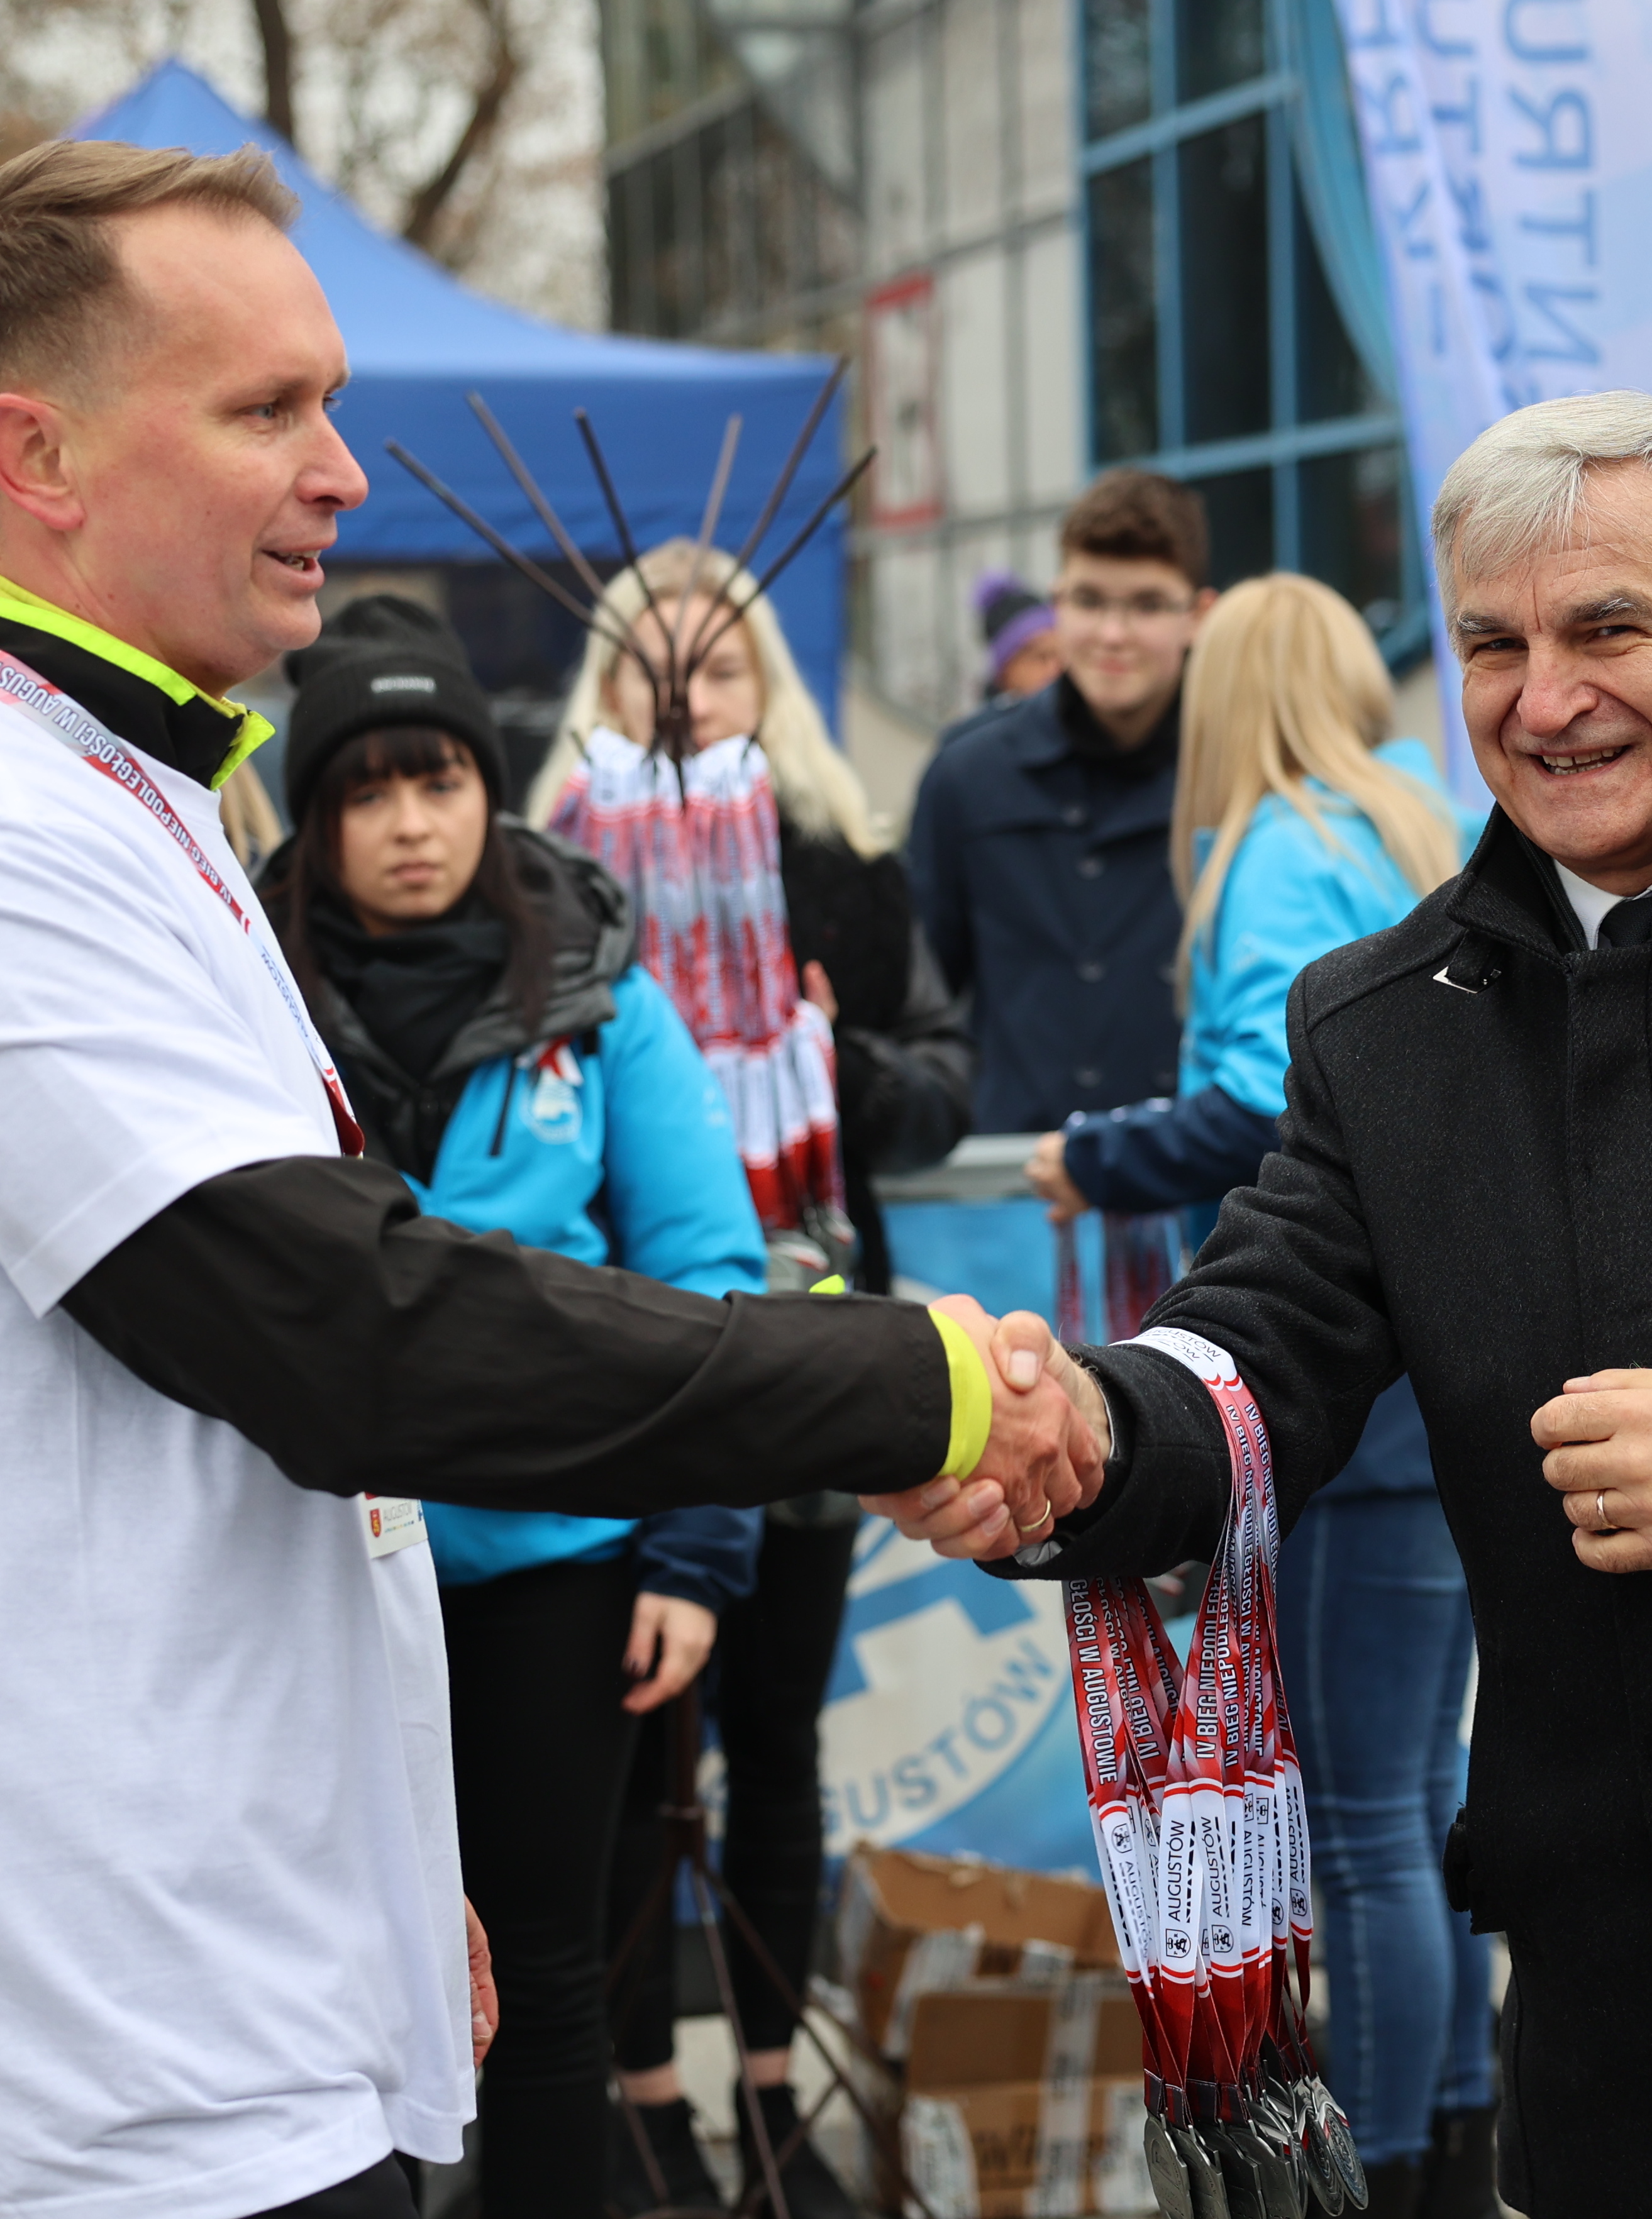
<point x="63" y="293"/>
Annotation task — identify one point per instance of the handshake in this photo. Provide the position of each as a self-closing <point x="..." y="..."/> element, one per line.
<point x="1044" y="1455"/>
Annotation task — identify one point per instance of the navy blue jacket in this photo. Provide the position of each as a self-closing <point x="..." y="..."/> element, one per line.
<point x="1041" y="871"/>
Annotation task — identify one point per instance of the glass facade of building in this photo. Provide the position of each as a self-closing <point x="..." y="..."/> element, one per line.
<point x="730" y="170"/>
<point x="1217" y="349"/>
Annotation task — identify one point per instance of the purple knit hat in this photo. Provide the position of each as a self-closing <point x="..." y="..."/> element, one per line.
<point x="1011" y="616"/>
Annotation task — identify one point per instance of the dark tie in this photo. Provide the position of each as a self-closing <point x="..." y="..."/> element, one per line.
<point x="1628" y="925"/>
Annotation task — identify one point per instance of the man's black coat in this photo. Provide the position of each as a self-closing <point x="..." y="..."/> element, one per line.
<point x="1464" y="1192"/>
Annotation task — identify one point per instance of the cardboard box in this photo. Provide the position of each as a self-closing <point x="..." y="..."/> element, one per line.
<point x="1019" y="2101"/>
<point x="1026" y="2150"/>
<point x="908" y="1925"/>
<point x="999" y="2032"/>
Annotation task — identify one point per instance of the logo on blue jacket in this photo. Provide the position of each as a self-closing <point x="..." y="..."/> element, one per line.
<point x="551" y="1107"/>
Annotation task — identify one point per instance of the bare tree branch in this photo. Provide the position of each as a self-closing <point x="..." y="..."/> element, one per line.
<point x="277" y="66"/>
<point x="428" y="203"/>
<point x="475" y="124"/>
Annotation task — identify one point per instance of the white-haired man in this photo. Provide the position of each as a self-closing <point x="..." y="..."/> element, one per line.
<point x="1464" y="1192"/>
<point x="232" y="1955"/>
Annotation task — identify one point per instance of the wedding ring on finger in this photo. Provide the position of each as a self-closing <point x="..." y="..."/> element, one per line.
<point x="1606" y="1524"/>
<point x="1046" y="1519"/>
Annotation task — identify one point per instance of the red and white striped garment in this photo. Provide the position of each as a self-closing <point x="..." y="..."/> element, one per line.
<point x="701" y="862"/>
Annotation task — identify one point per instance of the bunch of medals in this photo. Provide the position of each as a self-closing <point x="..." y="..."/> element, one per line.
<point x="1196" y="1798"/>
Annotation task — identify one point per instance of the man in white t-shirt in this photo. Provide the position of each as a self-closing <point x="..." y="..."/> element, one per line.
<point x="231" y="1951"/>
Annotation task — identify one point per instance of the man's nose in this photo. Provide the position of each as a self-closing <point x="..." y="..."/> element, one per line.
<point x="1555" y="693"/>
<point x="332" y="478"/>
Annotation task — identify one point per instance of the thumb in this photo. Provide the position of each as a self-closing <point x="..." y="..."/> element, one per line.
<point x="1022" y="1346"/>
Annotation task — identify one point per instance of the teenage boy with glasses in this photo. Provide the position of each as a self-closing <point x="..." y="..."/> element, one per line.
<point x="1040" y="840"/>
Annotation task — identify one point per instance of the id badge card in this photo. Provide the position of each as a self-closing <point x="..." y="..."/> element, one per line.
<point x="392" y="1522"/>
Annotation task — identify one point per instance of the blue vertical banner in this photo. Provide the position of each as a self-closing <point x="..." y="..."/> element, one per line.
<point x="1509" y="162"/>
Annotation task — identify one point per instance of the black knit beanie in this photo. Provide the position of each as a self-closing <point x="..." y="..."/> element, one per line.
<point x="383" y="660"/>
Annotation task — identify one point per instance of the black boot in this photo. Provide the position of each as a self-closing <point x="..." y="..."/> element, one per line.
<point x="812" y="2189"/>
<point x="1395" y="2187"/>
<point x="1460" y="2170"/>
<point x="670" y="2131"/>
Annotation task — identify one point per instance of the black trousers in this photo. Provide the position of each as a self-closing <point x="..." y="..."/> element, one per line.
<point x="775" y="1654"/>
<point x="541" y="1751"/>
<point x="381" y="2192"/>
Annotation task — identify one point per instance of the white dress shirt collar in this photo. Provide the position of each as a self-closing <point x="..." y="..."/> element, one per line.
<point x="1590" y="903"/>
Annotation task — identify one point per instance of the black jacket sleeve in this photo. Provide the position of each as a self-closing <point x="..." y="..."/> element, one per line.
<point x="1288" y="1286"/>
<point x="365" y="1347"/>
<point x="904" y="1094"/>
<point x="1164" y="1155"/>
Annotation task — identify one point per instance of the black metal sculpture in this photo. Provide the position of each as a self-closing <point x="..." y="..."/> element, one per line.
<point x="668" y="673"/>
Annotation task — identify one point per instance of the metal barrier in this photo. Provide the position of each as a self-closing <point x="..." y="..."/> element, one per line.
<point x="970" y="1225"/>
<point x="986" y="1167"/>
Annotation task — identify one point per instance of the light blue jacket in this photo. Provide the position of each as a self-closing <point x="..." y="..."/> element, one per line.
<point x="1288" y="900"/>
<point x="613" y="1148"/>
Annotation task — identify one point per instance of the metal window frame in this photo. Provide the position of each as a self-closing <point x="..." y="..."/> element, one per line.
<point x="1288" y="442"/>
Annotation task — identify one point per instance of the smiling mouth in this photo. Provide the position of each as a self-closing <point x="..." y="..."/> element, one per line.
<point x="1568" y="765"/>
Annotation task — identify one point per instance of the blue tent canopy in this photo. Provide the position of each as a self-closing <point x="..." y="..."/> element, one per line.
<point x="417" y="341"/>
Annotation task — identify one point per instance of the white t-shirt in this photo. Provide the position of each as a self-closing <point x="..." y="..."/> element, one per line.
<point x="232" y="1946"/>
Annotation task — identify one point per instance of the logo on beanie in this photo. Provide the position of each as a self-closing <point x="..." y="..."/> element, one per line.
<point x="407" y="685"/>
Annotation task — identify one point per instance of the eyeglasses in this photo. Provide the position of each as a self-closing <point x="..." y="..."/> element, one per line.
<point x="1137" y="611"/>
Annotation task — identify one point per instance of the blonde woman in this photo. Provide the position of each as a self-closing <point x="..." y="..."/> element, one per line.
<point x="1299" y="826"/>
<point x="766" y="852"/>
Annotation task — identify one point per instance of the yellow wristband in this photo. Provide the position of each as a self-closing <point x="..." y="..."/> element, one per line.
<point x="971" y="1390"/>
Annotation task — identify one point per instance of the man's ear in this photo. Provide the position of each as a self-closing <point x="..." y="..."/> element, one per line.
<point x="35" y="472"/>
<point x="1203" y="601"/>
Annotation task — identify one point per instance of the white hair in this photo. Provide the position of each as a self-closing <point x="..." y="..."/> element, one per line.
<point x="1516" y="493"/>
<point x="814" y="787"/>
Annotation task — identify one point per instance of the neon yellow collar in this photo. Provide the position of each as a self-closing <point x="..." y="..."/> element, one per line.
<point x="24" y="607"/>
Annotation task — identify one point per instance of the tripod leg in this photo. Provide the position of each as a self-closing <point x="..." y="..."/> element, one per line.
<point x="880" y="2129"/>
<point x="651" y="2164"/>
<point x="707" y="1910"/>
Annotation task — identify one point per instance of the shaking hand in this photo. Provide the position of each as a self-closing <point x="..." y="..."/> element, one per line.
<point x="1044" y="1457"/>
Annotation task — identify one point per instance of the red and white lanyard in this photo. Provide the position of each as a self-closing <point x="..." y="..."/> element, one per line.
<point x="1195" y="1801"/>
<point x="74" y="728"/>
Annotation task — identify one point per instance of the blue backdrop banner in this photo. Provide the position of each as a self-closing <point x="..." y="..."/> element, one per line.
<point x="949" y="1721"/>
